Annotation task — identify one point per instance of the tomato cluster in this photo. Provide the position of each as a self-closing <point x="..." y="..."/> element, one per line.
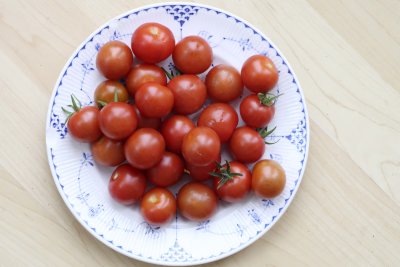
<point x="140" y="124"/>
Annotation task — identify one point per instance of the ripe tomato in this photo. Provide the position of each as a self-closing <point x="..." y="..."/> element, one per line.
<point x="83" y="124"/>
<point x="154" y="100"/>
<point x="201" y="146"/>
<point x="158" y="206"/>
<point x="246" y="145"/>
<point x="167" y="172"/>
<point x="144" y="122"/>
<point x="152" y="42"/>
<point x="192" y="55"/>
<point x="144" y="148"/>
<point x="224" y="83"/>
<point x="114" y="60"/>
<point x="144" y="73"/>
<point x="127" y="184"/>
<point x="190" y="93"/>
<point x="259" y="74"/>
<point x="202" y="173"/>
<point x="118" y="120"/>
<point x="257" y="110"/>
<point x="174" y="129"/>
<point x="196" y="201"/>
<point x="220" y="117"/>
<point x="106" y="90"/>
<point x="108" y="152"/>
<point x="232" y="181"/>
<point x="268" y="179"/>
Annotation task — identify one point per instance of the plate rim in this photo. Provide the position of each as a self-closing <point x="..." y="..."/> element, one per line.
<point x="50" y="156"/>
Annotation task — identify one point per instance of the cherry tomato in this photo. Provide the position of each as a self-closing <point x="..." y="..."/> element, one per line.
<point x="144" y="73"/>
<point x="144" y="148"/>
<point x="192" y="55"/>
<point x="167" y="172"/>
<point x="108" y="152"/>
<point x="246" y="145"/>
<point x="174" y="129"/>
<point x="268" y="179"/>
<point x="105" y="92"/>
<point x="235" y="184"/>
<point x="158" y="206"/>
<point x="83" y="124"/>
<point x="144" y="122"/>
<point x="202" y="173"/>
<point x="118" y="120"/>
<point x="257" y="111"/>
<point x="220" y="117"/>
<point x="152" y="42"/>
<point x="127" y="184"/>
<point x="190" y="93"/>
<point x="224" y="83"/>
<point x="201" y="146"/>
<point x="114" y="60"/>
<point x="196" y="201"/>
<point x="259" y="74"/>
<point x="154" y="100"/>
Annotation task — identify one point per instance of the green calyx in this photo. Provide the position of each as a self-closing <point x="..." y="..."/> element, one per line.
<point x="75" y="106"/>
<point x="171" y="74"/>
<point x="268" y="99"/>
<point x="264" y="132"/>
<point x="224" y="173"/>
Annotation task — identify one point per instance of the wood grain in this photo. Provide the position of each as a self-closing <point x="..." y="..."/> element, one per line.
<point x="345" y="54"/>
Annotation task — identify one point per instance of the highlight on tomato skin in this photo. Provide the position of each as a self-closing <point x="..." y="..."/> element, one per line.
<point x="108" y="152"/>
<point x="268" y="178"/>
<point x="259" y="74"/>
<point x="158" y="206"/>
<point x="224" y="83"/>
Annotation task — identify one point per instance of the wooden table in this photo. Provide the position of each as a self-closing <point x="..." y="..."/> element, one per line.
<point x="346" y="55"/>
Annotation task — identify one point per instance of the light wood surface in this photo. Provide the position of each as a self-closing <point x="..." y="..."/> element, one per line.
<point x="346" y="55"/>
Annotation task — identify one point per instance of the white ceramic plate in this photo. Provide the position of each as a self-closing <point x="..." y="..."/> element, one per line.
<point x="83" y="185"/>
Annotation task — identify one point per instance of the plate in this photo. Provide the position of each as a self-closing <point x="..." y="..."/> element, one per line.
<point x="83" y="185"/>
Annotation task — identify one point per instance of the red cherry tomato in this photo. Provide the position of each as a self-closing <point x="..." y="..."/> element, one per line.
<point x="114" y="60"/>
<point x="167" y="172"/>
<point x="118" y="120"/>
<point x="83" y="125"/>
<point x="190" y="93"/>
<point x="192" y="55"/>
<point x="152" y="42"/>
<point x="246" y="145"/>
<point x="127" y="184"/>
<point x="196" y="201"/>
<point x="174" y="129"/>
<point x="259" y="74"/>
<point x="255" y="113"/>
<point x="108" y="152"/>
<point x="236" y="184"/>
<point x="268" y="179"/>
<point x="158" y="206"/>
<point x="224" y="83"/>
<point x="106" y="90"/>
<point x="154" y="100"/>
<point x="144" y="73"/>
<point x="144" y="122"/>
<point x="144" y="148"/>
<point x="202" y="173"/>
<point x="220" y="117"/>
<point x="201" y="146"/>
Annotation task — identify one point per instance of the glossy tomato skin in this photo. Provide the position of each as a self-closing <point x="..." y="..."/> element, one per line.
<point x="202" y="173"/>
<point x="220" y="117"/>
<point x="246" y="145"/>
<point x="154" y="100"/>
<point x="259" y="74"/>
<point x="158" y="206"/>
<point x="201" y="146"/>
<point x="152" y="42"/>
<point x="106" y="90"/>
<point x="144" y="148"/>
<point x="174" y="130"/>
<point x="144" y="73"/>
<point x="114" y="60"/>
<point x="118" y="120"/>
<point x="268" y="179"/>
<point x="192" y="55"/>
<point x="127" y="184"/>
<point x="108" y="152"/>
<point x="224" y="83"/>
<point x="254" y="113"/>
<point x="236" y="189"/>
<point x="167" y="172"/>
<point x="190" y="93"/>
<point x="196" y="201"/>
<point x="145" y="122"/>
<point x="84" y="126"/>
